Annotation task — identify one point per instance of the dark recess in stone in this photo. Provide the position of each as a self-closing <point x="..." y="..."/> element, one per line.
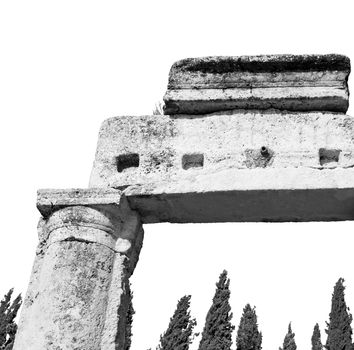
<point x="125" y="161"/>
<point x="264" y="151"/>
<point x="193" y="160"/>
<point x="328" y="155"/>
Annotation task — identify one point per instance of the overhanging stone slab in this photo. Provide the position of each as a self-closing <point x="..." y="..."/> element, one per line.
<point x="249" y="195"/>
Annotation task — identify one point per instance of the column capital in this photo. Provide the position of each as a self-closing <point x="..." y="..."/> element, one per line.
<point x="105" y="213"/>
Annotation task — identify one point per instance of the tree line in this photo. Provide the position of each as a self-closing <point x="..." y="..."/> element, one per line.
<point x="218" y="328"/>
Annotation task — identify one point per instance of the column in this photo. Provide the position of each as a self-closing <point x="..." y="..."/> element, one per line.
<point x="89" y="244"/>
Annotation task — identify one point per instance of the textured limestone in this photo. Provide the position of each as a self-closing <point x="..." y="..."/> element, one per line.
<point x="231" y="71"/>
<point x="88" y="248"/>
<point x="198" y="169"/>
<point x="286" y="82"/>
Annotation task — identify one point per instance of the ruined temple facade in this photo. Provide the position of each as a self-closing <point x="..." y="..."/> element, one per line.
<point x="251" y="138"/>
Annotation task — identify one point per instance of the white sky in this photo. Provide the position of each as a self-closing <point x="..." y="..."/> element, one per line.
<point x="65" y="66"/>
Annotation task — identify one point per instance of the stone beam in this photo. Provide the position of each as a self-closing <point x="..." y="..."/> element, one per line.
<point x="231" y="166"/>
<point x="262" y="205"/>
<point x="89" y="242"/>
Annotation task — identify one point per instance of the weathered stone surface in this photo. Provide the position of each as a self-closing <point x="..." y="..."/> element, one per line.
<point x="73" y="292"/>
<point x="263" y="63"/>
<point x="181" y="150"/>
<point x="50" y="200"/>
<point x="240" y="71"/>
<point x="204" y="169"/>
<point x="286" y="82"/>
<point x="87" y="251"/>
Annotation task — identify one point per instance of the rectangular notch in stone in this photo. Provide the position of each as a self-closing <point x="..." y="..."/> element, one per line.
<point x="126" y="161"/>
<point x="192" y="160"/>
<point x="328" y="155"/>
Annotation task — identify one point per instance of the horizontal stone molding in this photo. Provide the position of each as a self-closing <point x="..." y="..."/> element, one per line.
<point x="298" y="98"/>
<point x="194" y="80"/>
<point x="285" y="82"/>
<point x="263" y="64"/>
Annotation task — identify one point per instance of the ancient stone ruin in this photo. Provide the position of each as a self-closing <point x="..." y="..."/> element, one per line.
<point x="261" y="138"/>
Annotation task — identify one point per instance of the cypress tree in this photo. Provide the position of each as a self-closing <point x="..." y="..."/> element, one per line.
<point x="11" y="331"/>
<point x="289" y="340"/>
<point x="8" y="312"/>
<point x="316" y="338"/>
<point x="129" y="319"/>
<point x="248" y="336"/>
<point x="217" y="332"/>
<point x="4" y="306"/>
<point x="179" y="333"/>
<point x="339" y="331"/>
